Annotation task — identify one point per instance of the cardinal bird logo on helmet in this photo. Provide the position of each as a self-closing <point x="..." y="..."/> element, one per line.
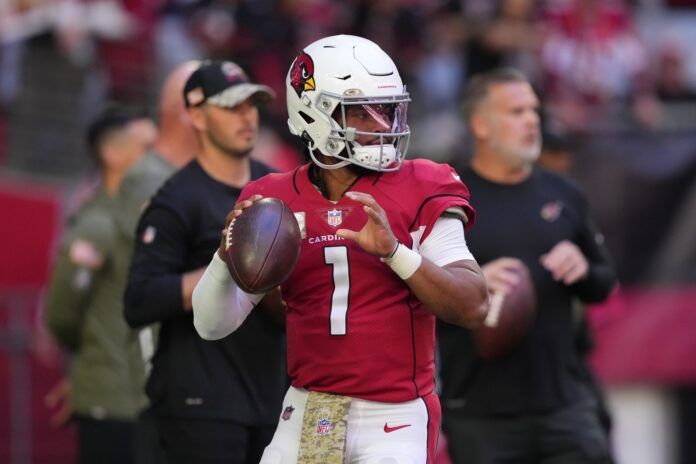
<point x="302" y="74"/>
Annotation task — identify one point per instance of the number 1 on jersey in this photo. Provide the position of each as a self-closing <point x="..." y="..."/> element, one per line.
<point x="338" y="258"/>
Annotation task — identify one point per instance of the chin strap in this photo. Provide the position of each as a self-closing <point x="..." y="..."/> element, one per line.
<point x="340" y="164"/>
<point x="362" y="151"/>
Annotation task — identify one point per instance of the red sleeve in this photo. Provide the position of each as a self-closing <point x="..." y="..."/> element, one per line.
<point x="446" y="191"/>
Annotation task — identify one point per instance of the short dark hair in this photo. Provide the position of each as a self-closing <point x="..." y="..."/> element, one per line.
<point x="478" y="85"/>
<point x="111" y="119"/>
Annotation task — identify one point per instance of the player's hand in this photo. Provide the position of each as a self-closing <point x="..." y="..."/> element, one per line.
<point x="234" y="214"/>
<point x="502" y="274"/>
<point x="566" y="263"/>
<point x="376" y="236"/>
<point x="58" y="399"/>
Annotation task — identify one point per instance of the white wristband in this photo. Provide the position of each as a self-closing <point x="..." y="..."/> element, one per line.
<point x="404" y="261"/>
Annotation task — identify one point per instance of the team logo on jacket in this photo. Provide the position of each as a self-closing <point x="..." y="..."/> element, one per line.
<point x="324" y="426"/>
<point x="287" y="413"/>
<point x="551" y="211"/>
<point x="149" y="235"/>
<point x="334" y="217"/>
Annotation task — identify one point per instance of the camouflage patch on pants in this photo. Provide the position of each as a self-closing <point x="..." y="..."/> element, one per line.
<point x="324" y="427"/>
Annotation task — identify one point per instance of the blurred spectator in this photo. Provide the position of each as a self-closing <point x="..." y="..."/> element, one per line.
<point x="595" y="66"/>
<point x="315" y="19"/>
<point x="439" y="74"/>
<point x="3" y="136"/>
<point x="62" y="36"/>
<point x="174" y="147"/>
<point x="671" y="80"/>
<point x="535" y="401"/>
<point x="213" y="401"/>
<point x="8" y="85"/>
<point x="173" y="38"/>
<point x="440" y="70"/>
<point x="512" y="37"/>
<point x="261" y="45"/>
<point x="396" y="26"/>
<point x="84" y="305"/>
<point x="126" y="55"/>
<point x="51" y="108"/>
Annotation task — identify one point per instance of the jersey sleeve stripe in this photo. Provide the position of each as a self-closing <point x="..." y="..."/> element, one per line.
<point x="422" y="205"/>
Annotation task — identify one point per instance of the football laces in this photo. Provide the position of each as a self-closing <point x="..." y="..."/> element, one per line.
<point x="228" y="236"/>
<point x="494" y="310"/>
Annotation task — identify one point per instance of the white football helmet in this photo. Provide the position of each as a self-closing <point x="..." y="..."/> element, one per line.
<point x="342" y="80"/>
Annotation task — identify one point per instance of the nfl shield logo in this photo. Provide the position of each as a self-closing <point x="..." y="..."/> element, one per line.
<point x="323" y="426"/>
<point x="335" y="217"/>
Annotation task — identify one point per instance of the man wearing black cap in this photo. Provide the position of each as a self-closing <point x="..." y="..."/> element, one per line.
<point x="216" y="402"/>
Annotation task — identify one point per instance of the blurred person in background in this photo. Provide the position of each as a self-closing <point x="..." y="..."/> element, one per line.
<point x="676" y="92"/>
<point x="594" y="68"/>
<point x="214" y="402"/>
<point x="393" y="24"/>
<point x="173" y="147"/>
<point x="439" y="73"/>
<point x="84" y="305"/>
<point x="537" y="402"/>
<point x="173" y="39"/>
<point x="76" y="41"/>
<point x="511" y="37"/>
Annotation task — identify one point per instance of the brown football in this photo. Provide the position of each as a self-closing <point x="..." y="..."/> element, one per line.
<point x="263" y="245"/>
<point x="508" y="320"/>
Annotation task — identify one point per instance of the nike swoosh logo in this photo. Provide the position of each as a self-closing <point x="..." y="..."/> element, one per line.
<point x="388" y="429"/>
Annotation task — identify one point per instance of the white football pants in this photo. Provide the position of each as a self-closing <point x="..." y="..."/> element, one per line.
<point x="377" y="433"/>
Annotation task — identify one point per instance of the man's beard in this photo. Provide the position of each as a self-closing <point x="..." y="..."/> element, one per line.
<point x="519" y="156"/>
<point x="231" y="152"/>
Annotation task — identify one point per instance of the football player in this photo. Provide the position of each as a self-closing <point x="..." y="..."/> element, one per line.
<point x="383" y="254"/>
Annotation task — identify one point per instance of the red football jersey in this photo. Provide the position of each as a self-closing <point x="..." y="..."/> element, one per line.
<point x="353" y="326"/>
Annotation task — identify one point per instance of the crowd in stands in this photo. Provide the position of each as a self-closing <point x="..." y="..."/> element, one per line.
<point x="588" y="59"/>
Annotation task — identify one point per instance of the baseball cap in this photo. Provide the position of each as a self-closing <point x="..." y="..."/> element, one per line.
<point x="222" y="83"/>
<point x="113" y="117"/>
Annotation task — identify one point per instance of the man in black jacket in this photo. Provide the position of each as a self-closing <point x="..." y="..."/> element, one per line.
<point x="536" y="403"/>
<point x="215" y="402"/>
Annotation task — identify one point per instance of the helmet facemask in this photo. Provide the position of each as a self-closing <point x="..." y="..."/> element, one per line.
<point x="372" y="130"/>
